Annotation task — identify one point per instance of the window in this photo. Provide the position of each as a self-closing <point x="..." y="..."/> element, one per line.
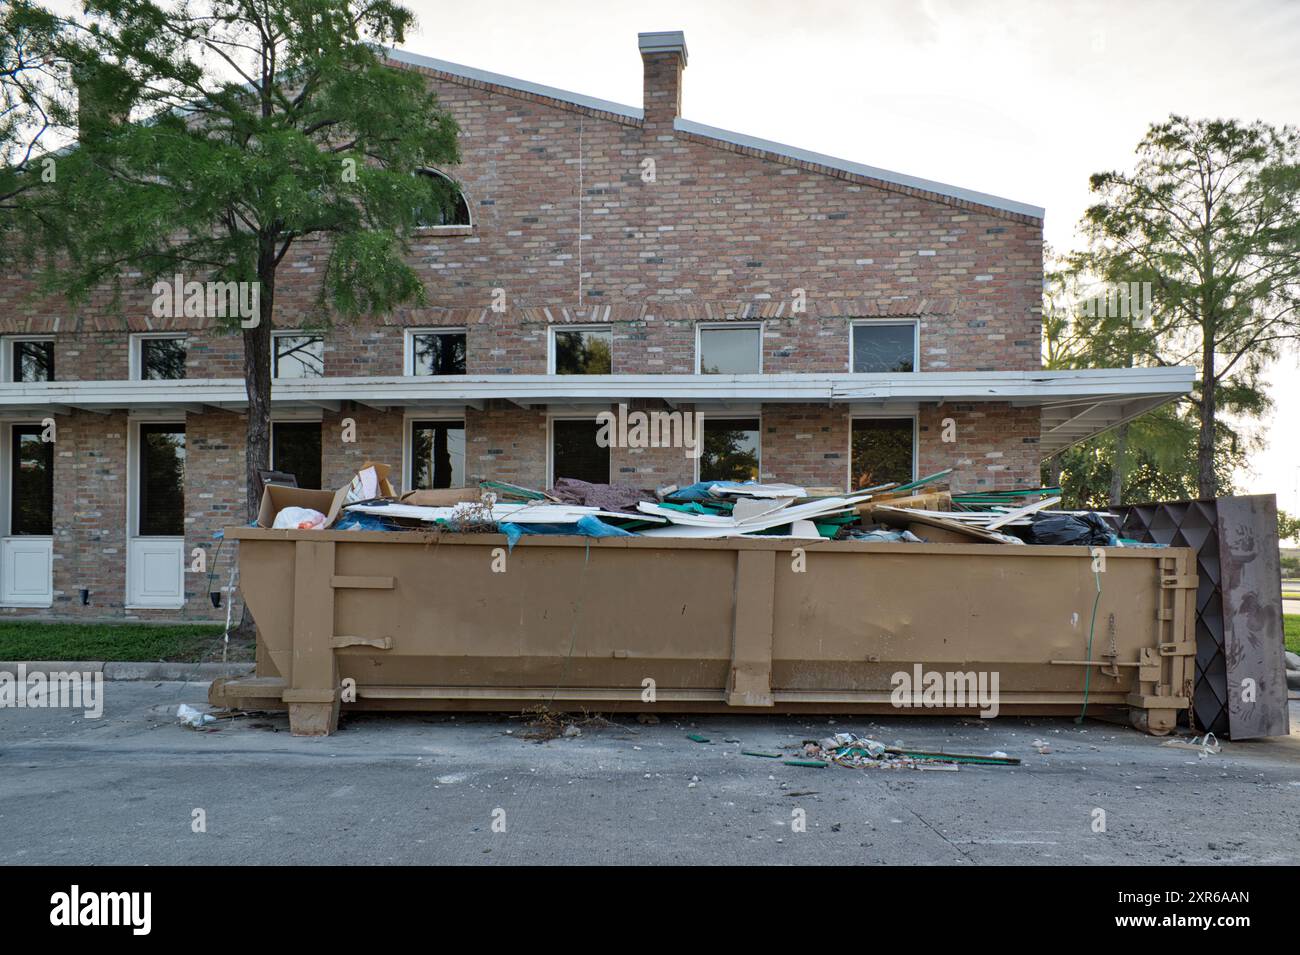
<point x="730" y="349"/>
<point x="445" y="204"/>
<point x="295" y="449"/>
<point x="161" y="359"/>
<point x="882" y="450"/>
<point x="582" y="351"/>
<point x="731" y="449"/>
<point x="884" y="346"/>
<point x="297" y="356"/>
<point x="575" y="453"/>
<point x="437" y="455"/>
<point x="32" y="360"/>
<point x="436" y="352"/>
<point x="162" y="480"/>
<point x="31" y="502"/>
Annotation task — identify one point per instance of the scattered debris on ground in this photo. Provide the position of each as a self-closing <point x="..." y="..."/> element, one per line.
<point x="546" y="724"/>
<point x="856" y="752"/>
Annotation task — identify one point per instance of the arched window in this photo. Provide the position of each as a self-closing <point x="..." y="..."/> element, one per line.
<point x="446" y="204"/>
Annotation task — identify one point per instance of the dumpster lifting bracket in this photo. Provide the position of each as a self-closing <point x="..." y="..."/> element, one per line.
<point x="750" y="679"/>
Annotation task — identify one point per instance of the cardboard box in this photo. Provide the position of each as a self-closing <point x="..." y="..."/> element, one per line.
<point x="276" y="497"/>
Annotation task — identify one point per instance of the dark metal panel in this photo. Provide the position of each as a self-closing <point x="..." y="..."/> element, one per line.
<point x="1252" y="611"/>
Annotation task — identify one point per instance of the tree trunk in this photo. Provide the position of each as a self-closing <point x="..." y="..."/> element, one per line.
<point x="1117" y="468"/>
<point x="1054" y="471"/>
<point x="257" y="383"/>
<point x="1207" y="481"/>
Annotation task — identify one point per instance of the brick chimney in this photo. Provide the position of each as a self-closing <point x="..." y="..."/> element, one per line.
<point x="664" y="57"/>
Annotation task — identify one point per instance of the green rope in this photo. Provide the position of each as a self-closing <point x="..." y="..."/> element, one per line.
<point x="1087" y="670"/>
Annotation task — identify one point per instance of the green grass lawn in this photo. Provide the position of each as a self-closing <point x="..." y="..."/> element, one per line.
<point x="181" y="643"/>
<point x="1291" y="623"/>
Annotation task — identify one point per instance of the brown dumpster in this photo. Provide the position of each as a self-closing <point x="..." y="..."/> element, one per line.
<point x="414" y="620"/>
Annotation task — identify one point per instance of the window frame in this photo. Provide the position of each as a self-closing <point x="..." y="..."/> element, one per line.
<point x="551" y="418"/>
<point x="8" y="365"/>
<point x="550" y="344"/>
<point x="446" y="229"/>
<point x="711" y="326"/>
<point x="136" y="357"/>
<point x="727" y="414"/>
<point x="431" y="416"/>
<point x="295" y="333"/>
<point x="408" y="347"/>
<point x="133" y="490"/>
<point x="915" y="418"/>
<point x="7" y="478"/>
<point x="916" y="343"/>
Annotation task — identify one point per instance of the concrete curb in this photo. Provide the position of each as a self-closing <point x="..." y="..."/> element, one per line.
<point x="143" y="670"/>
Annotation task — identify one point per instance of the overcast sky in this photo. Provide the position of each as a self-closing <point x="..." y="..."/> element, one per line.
<point x="1020" y="98"/>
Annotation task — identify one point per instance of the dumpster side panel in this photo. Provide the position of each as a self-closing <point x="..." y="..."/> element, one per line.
<point x="846" y="624"/>
<point x="477" y="616"/>
<point x="266" y="572"/>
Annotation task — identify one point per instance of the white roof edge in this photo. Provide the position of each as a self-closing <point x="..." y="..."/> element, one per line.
<point x="510" y="82"/>
<point x="1037" y="387"/>
<point x="873" y="172"/>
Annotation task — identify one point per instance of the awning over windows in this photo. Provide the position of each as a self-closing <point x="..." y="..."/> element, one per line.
<point x="1075" y="404"/>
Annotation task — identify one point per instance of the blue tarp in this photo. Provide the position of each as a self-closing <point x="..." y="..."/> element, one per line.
<point x="588" y="526"/>
<point x="357" y="521"/>
<point x="700" y="492"/>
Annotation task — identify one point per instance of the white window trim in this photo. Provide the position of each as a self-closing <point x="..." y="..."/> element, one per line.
<point x="551" y="418"/>
<point x="294" y="333"/>
<point x="862" y="415"/>
<point x="408" y="345"/>
<point x="6" y="474"/>
<point x="7" y="353"/>
<point x="916" y="340"/>
<point x="429" y="414"/>
<point x="550" y="342"/>
<point x="469" y="207"/>
<point x="703" y="326"/>
<point x="730" y="413"/>
<point x="136" y="358"/>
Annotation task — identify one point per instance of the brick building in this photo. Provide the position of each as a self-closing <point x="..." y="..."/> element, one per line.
<point x="833" y="323"/>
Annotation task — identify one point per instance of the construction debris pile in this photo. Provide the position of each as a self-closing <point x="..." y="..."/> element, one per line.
<point x="922" y="511"/>
<point x="856" y="752"/>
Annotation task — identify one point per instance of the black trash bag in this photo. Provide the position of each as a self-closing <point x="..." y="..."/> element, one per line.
<point x="1085" y="529"/>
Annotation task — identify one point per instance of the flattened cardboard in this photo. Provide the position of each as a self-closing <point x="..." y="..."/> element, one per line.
<point x="442" y="497"/>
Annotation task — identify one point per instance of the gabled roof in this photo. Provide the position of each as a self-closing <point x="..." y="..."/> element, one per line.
<point x="764" y="147"/>
<point x="507" y="83"/>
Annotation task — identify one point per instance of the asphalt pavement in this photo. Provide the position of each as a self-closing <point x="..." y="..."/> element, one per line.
<point x="134" y="786"/>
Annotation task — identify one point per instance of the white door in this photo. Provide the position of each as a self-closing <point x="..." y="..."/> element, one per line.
<point x="27" y="572"/>
<point x="26" y="515"/>
<point x="155" y="575"/>
<point x="155" y="544"/>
